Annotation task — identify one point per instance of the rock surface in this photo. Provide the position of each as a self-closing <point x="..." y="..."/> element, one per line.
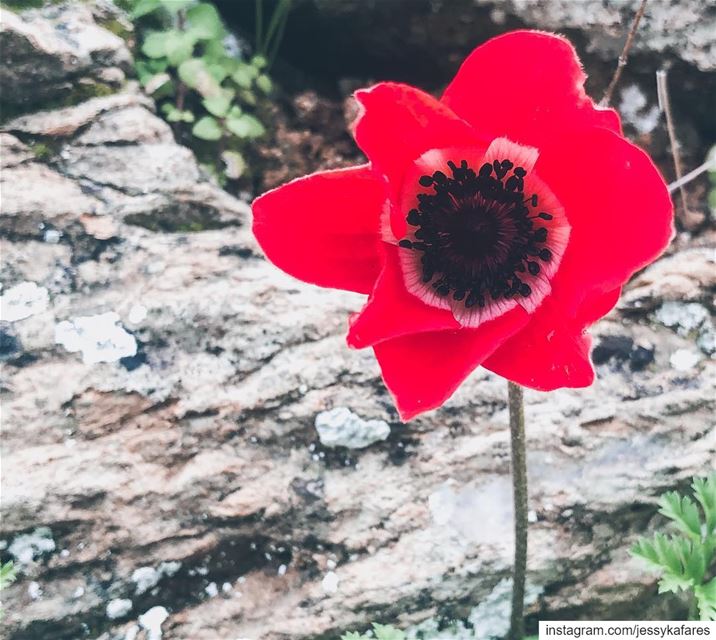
<point x="179" y="488"/>
<point x="53" y="52"/>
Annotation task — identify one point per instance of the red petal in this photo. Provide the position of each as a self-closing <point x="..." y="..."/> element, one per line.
<point x="528" y="86"/>
<point x="324" y="228"/>
<point x="622" y="218"/>
<point x="392" y="311"/>
<point x="618" y="206"/>
<point x="549" y="353"/>
<point x="399" y="123"/>
<point x="423" y="370"/>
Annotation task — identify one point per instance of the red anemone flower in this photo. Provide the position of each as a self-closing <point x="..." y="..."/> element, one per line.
<point x="490" y="227"/>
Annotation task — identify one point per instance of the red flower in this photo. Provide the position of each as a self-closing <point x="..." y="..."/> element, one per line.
<point x="491" y="227"/>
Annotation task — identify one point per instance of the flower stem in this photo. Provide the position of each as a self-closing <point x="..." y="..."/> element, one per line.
<point x="519" y="485"/>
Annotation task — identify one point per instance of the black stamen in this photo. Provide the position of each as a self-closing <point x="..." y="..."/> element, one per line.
<point x="425" y="181"/>
<point x="476" y="233"/>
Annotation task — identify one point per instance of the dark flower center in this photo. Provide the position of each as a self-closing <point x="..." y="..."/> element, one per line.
<point x="478" y="232"/>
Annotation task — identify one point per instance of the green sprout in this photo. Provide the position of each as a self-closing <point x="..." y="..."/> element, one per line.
<point x="686" y="559"/>
<point x="8" y="574"/>
<point x="200" y="86"/>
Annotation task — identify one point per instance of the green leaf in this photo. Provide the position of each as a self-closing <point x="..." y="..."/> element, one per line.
<point x="175" y="5"/>
<point x="353" y="635"/>
<point x="154" y="45"/>
<point x="216" y="69"/>
<point x="234" y="112"/>
<point x="673" y="584"/>
<point x="214" y="49"/>
<point x="245" y="126"/>
<point x="259" y="62"/>
<point x="207" y="128"/>
<point x="173" y="114"/>
<point x="143" y="7"/>
<point x="264" y="83"/>
<point x="179" y="46"/>
<point x="230" y="64"/>
<point x="244" y="75"/>
<point x="705" y="493"/>
<point x="205" y="21"/>
<point x="385" y="632"/>
<point x="683" y="512"/>
<point x="646" y="550"/>
<point x="8" y="574"/>
<point x="247" y="97"/>
<point x="706" y="600"/>
<point x="219" y="105"/>
<point x="194" y="74"/>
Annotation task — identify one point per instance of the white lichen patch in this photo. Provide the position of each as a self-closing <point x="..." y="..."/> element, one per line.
<point x="211" y="589"/>
<point x="137" y="314"/>
<point x="169" y="568"/>
<point x="34" y="591"/>
<point x="683" y="317"/>
<point x="341" y="427"/>
<point x="689" y="319"/>
<point x="144" y="579"/>
<point x="476" y="513"/>
<point x="99" y="338"/>
<point x="118" y="608"/>
<point x="684" y="359"/>
<point x="152" y="622"/>
<point x="633" y="107"/>
<point x="28" y="546"/>
<point x="22" y="301"/>
<point x="132" y="632"/>
<point x="330" y="582"/>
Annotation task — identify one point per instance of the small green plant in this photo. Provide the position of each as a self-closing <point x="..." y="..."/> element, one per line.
<point x="712" y="178"/>
<point x="379" y="632"/>
<point x="201" y="85"/>
<point x="7" y="577"/>
<point x="686" y="559"/>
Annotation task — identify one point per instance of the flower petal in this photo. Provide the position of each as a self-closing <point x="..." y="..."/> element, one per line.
<point x="621" y="219"/>
<point x="423" y="370"/>
<point x="399" y="123"/>
<point x="391" y="311"/>
<point x="528" y="86"/>
<point x="618" y="207"/>
<point x="550" y="353"/>
<point x="325" y="228"/>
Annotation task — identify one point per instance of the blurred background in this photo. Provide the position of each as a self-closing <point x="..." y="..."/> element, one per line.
<point x="189" y="450"/>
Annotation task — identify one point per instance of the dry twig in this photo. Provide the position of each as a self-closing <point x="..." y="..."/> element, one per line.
<point x="624" y="56"/>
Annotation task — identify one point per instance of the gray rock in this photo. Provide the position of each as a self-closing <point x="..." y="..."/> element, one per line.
<point x="683" y="29"/>
<point x="48" y="51"/>
<point x="191" y="461"/>
<point x="64" y="123"/>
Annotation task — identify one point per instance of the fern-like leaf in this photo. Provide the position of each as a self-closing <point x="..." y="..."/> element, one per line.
<point x="705" y="493"/>
<point x="683" y="512"/>
<point x="706" y="600"/>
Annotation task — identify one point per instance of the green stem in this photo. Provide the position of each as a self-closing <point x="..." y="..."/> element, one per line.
<point x="519" y="484"/>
